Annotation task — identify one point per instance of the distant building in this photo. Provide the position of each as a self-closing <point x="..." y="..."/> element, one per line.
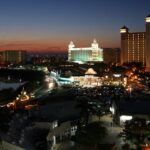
<point x="1" y="57"/>
<point x="48" y="59"/>
<point x="58" y="134"/>
<point x="111" y="55"/>
<point x="13" y="56"/>
<point x="124" y="110"/>
<point x="86" y="54"/>
<point x="135" y="46"/>
<point x="148" y="42"/>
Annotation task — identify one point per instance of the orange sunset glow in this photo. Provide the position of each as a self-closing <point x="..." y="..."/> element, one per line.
<point x="49" y="45"/>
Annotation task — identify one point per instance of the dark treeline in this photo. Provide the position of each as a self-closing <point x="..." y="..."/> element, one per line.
<point x="25" y="75"/>
<point x="6" y="94"/>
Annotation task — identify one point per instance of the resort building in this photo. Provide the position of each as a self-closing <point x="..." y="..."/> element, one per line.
<point x="86" y="54"/>
<point x="135" y="46"/>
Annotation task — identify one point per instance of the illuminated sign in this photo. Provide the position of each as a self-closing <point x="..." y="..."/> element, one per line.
<point x="117" y="75"/>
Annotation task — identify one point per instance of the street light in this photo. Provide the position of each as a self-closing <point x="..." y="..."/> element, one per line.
<point x="130" y="90"/>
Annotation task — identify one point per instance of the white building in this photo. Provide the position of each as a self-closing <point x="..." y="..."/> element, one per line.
<point x="58" y="134"/>
<point x="86" y="54"/>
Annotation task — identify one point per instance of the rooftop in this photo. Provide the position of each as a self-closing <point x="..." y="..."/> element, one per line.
<point x="133" y="107"/>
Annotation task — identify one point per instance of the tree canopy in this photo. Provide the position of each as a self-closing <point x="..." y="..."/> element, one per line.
<point x="91" y="135"/>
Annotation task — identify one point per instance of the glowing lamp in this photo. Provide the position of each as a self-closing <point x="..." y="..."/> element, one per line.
<point x="123" y="30"/>
<point x="124" y="118"/>
<point x="148" y="19"/>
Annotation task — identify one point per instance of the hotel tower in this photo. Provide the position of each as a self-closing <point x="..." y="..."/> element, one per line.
<point x="135" y="46"/>
<point x="86" y="54"/>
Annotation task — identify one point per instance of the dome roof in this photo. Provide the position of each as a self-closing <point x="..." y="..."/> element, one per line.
<point x="148" y="16"/>
<point x="90" y="71"/>
<point x="124" y="27"/>
<point x="94" y="41"/>
<point x="71" y="43"/>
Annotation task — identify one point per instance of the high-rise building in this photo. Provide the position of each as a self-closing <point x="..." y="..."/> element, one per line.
<point x="135" y="46"/>
<point x="13" y="56"/>
<point x="86" y="54"/>
<point x="147" y="42"/>
<point x="132" y="46"/>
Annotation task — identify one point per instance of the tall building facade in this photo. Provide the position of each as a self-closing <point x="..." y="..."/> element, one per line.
<point x="132" y="46"/>
<point x="148" y="42"/>
<point x="13" y="56"/>
<point x="86" y="54"/>
<point x="135" y="46"/>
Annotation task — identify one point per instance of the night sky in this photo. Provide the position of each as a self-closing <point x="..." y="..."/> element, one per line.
<point x="49" y="25"/>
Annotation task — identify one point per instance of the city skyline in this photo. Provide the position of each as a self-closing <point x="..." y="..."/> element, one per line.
<point x="51" y="24"/>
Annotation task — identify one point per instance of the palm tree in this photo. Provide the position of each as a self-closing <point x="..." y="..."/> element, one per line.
<point x="91" y="135"/>
<point x="136" y="129"/>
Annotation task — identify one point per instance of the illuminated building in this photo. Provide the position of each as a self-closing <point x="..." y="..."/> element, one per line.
<point x="86" y="54"/>
<point x="23" y="100"/>
<point x="13" y="56"/>
<point x="148" y="42"/>
<point x="124" y="110"/>
<point x="135" y="46"/>
<point x="132" y="46"/>
<point x="90" y="79"/>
